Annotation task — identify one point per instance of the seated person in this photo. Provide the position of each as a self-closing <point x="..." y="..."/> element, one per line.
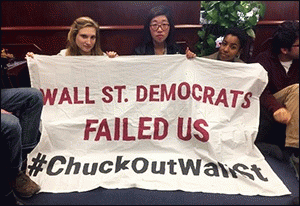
<point x="232" y="46"/>
<point x="83" y="39"/>
<point x="20" y="119"/>
<point x="158" y="35"/>
<point x="280" y="99"/>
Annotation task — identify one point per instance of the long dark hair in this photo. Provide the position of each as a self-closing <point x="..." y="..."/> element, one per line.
<point x="154" y="12"/>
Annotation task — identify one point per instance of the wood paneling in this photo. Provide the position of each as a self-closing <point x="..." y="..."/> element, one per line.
<point x="63" y="13"/>
<point x="122" y="39"/>
<point x="281" y="10"/>
<point x="46" y="23"/>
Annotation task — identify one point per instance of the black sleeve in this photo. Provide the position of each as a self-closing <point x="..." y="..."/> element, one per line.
<point x="140" y="50"/>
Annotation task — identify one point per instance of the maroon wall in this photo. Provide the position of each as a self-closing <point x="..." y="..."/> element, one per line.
<point x="276" y="13"/>
<point x="46" y="23"/>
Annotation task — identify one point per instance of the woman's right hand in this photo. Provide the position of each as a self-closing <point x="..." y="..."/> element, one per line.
<point x="30" y="54"/>
<point x="111" y="54"/>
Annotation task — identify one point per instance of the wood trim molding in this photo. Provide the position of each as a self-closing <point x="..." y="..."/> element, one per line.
<point x="67" y="28"/>
<point x="269" y="22"/>
<point x="118" y="27"/>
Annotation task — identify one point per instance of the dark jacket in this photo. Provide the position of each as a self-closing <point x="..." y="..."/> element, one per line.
<point x="278" y="78"/>
<point x="148" y="49"/>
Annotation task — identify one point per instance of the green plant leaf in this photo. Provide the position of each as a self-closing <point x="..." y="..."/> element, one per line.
<point x="213" y="3"/>
<point x="233" y="13"/>
<point x="230" y="3"/>
<point x="211" y="36"/>
<point x="223" y="7"/>
<point x="201" y="34"/>
<point x="241" y="9"/>
<point x="233" y="18"/>
<point x="262" y="10"/>
<point x="251" y="33"/>
<point x="211" y="42"/>
<point x="213" y="14"/>
<point x="224" y="14"/>
<point x="253" y="20"/>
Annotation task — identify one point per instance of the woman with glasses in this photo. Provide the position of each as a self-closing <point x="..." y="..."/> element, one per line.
<point x="158" y="35"/>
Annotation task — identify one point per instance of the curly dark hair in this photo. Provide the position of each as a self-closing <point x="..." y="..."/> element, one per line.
<point x="285" y="36"/>
<point x="239" y="33"/>
<point x="154" y="12"/>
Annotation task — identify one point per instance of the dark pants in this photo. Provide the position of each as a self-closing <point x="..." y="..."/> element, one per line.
<point x="269" y="130"/>
<point x="20" y="130"/>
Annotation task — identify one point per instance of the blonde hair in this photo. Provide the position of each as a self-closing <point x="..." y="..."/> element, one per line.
<point x="82" y="22"/>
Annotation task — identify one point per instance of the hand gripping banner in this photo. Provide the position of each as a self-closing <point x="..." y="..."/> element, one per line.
<point x="151" y="122"/>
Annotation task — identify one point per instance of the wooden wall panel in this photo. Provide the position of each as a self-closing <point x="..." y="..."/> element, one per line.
<point x="281" y="10"/>
<point x="121" y="40"/>
<point x="63" y="13"/>
<point x="46" y="23"/>
<point x="276" y="13"/>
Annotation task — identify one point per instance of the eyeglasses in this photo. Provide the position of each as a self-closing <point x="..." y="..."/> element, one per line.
<point x="162" y="26"/>
<point x="296" y="45"/>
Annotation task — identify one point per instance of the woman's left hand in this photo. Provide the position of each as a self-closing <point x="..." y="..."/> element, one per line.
<point x="111" y="54"/>
<point x="189" y="54"/>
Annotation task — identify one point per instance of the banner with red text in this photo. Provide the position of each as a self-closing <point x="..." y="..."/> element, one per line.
<point x="152" y="122"/>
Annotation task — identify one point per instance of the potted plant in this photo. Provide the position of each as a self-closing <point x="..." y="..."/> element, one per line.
<point x="220" y="15"/>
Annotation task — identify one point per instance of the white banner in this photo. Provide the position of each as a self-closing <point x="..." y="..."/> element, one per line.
<point x="151" y="122"/>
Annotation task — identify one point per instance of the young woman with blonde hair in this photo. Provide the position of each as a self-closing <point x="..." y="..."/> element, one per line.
<point x="83" y="39"/>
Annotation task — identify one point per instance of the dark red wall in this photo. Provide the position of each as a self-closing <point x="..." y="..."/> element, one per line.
<point x="276" y="13"/>
<point x="63" y="13"/>
<point x="46" y="23"/>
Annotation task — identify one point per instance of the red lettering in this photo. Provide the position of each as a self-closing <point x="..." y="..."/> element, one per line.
<point x="106" y="132"/>
<point x="125" y="131"/>
<point x="76" y="101"/>
<point x="142" y="127"/>
<point x="180" y="129"/>
<point x="119" y="88"/>
<point x="117" y="129"/>
<point x="156" y="128"/>
<point x="153" y="92"/>
<point x="105" y="91"/>
<point x="188" y="90"/>
<point x="235" y="96"/>
<point x="169" y="95"/>
<point x="196" y="86"/>
<point x="65" y="96"/>
<point x="88" y="128"/>
<point x="205" y="134"/>
<point x="246" y="98"/>
<point x="209" y="92"/>
<point x="87" y="96"/>
<point x="49" y="96"/>
<point x="138" y="93"/>
<point x="222" y="98"/>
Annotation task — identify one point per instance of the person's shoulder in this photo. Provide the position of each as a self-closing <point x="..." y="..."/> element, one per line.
<point x="62" y="52"/>
<point x="212" y="56"/>
<point x="236" y="59"/>
<point x="264" y="55"/>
